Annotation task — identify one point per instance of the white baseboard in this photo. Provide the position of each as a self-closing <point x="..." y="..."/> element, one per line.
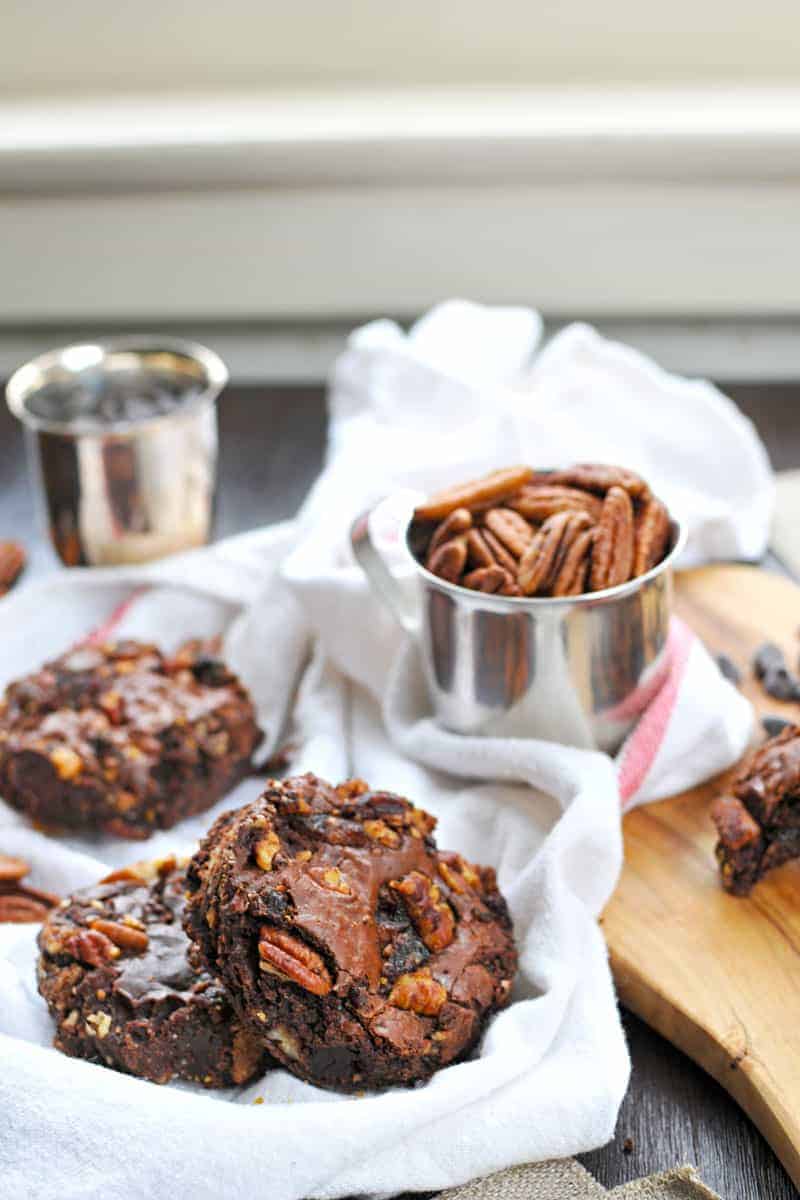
<point x="676" y="203"/>
<point x="726" y="351"/>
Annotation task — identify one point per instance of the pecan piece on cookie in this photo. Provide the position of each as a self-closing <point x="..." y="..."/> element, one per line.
<point x="612" y="553"/>
<point x="430" y="913"/>
<point x="292" y="959"/>
<point x="537" y="502"/>
<point x="597" y="477"/>
<point x="474" y="494"/>
<point x="510" y="528"/>
<point x="651" y="535"/>
<point x="449" y="560"/>
<point x="542" y="560"/>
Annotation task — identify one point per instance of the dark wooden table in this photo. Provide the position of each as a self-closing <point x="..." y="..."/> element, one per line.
<point x="272" y="447"/>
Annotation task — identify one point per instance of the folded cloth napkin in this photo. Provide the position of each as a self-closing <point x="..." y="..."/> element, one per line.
<point x="454" y="397"/>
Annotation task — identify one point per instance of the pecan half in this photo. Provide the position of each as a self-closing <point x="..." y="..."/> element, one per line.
<point x="17" y="908"/>
<point x="430" y="914"/>
<point x="486" y="579"/>
<point x="12" y="869"/>
<point x="537" y="502"/>
<point x="478" y="552"/>
<point x="92" y="947"/>
<point x="12" y="563"/>
<point x="127" y="937"/>
<point x="596" y="477"/>
<point x="266" y="849"/>
<point x="570" y="578"/>
<point x="449" y="560"/>
<point x="612" y="553"/>
<point x="476" y="493"/>
<point x="542" y="559"/>
<point x="500" y="555"/>
<point x="379" y="831"/>
<point x="513" y="530"/>
<point x="419" y="993"/>
<point x="651" y="535"/>
<point x="288" y="957"/>
<point x="459" y="521"/>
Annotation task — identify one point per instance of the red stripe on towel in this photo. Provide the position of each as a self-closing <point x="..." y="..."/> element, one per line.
<point x="105" y="632"/>
<point x="641" y="748"/>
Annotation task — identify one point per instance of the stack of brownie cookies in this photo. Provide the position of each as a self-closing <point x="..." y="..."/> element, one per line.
<point x="328" y="932"/>
<point x="325" y="928"/>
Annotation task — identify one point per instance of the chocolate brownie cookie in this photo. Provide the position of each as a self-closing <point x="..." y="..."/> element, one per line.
<point x="359" y="954"/>
<point x="123" y="739"/>
<point x="758" y="820"/>
<point x="115" y="971"/>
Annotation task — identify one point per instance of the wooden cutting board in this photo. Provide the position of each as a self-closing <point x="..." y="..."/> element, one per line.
<point x="716" y="975"/>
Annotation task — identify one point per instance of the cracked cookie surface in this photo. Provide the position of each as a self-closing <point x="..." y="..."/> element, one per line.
<point x="115" y="971"/>
<point x="361" y="955"/>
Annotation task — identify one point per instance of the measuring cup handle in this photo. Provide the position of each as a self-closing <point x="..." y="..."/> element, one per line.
<point x="381" y="579"/>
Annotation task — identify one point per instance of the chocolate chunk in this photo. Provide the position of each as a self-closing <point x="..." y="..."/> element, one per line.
<point x="774" y="725"/>
<point x="781" y="684"/>
<point x="729" y="669"/>
<point x="768" y="657"/>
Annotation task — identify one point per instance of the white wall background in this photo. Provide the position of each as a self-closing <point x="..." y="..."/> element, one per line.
<point x="320" y="160"/>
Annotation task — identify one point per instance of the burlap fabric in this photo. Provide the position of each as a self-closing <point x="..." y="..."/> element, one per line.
<point x="567" y="1180"/>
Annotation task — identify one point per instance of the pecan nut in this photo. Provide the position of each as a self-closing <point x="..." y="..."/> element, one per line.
<point x="17" y="908"/>
<point x="92" y="947"/>
<point x="459" y="521"/>
<point x="12" y="869"/>
<point x="12" y="563"/>
<point x="265" y="850"/>
<point x="289" y="958"/>
<point x="430" y="913"/>
<point x="570" y="577"/>
<point x="512" y="530"/>
<point x="449" y="560"/>
<point x="651" y="536"/>
<point x="541" y="561"/>
<point x="537" y="502"/>
<point x="596" y="477"/>
<point x="419" y="993"/>
<point x="486" y="579"/>
<point x="499" y="554"/>
<point x="612" y="552"/>
<point x="474" y="494"/>
<point x="127" y="937"/>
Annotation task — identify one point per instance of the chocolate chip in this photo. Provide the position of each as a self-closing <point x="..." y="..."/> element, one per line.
<point x="211" y="671"/>
<point x="767" y="657"/>
<point x="774" y="725"/>
<point x="729" y="669"/>
<point x="780" y="683"/>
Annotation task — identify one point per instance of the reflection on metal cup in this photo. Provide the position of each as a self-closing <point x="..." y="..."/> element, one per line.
<point x="122" y="440"/>
<point x="578" y="670"/>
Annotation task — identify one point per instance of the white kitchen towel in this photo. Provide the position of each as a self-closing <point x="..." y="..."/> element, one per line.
<point x="417" y="411"/>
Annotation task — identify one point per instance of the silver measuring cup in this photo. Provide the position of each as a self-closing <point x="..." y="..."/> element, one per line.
<point x="122" y="440"/>
<point x="577" y="670"/>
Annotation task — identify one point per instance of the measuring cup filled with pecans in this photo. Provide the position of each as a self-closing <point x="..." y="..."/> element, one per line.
<point x="543" y="601"/>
